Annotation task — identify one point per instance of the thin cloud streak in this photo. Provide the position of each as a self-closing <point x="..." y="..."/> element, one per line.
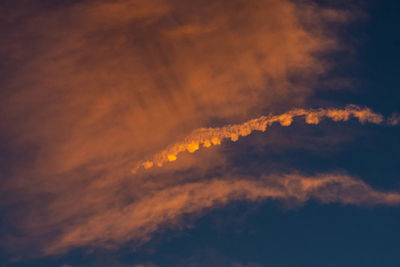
<point x="207" y="137"/>
<point x="164" y="208"/>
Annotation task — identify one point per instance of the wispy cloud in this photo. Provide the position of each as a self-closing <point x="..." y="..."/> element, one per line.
<point x="164" y="207"/>
<point x="101" y="81"/>
<point x="92" y="87"/>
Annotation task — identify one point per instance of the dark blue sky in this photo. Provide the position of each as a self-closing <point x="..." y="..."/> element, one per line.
<point x="279" y="233"/>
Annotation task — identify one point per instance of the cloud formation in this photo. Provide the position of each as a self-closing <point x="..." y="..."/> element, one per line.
<point x="138" y="220"/>
<point x="91" y="87"/>
<point x="105" y="80"/>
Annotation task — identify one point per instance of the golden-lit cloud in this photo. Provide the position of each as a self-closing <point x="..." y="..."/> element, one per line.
<point x="102" y="80"/>
<point x="207" y="137"/>
<point x="93" y="87"/>
<point x="164" y="207"/>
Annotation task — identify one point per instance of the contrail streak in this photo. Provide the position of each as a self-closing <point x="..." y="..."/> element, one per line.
<point x="207" y="137"/>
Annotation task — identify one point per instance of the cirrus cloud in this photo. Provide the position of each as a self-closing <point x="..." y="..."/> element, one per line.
<point x="95" y="86"/>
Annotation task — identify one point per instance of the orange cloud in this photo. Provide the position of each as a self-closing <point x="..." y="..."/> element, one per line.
<point x="214" y="136"/>
<point x="94" y="86"/>
<point x="164" y="207"/>
<point x="99" y="78"/>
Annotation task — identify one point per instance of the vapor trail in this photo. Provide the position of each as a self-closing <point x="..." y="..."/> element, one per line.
<point x="207" y="137"/>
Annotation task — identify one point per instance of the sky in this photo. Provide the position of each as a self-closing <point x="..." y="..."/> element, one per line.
<point x="199" y="133"/>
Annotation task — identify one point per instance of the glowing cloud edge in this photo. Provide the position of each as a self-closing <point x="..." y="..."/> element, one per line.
<point x="207" y="137"/>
